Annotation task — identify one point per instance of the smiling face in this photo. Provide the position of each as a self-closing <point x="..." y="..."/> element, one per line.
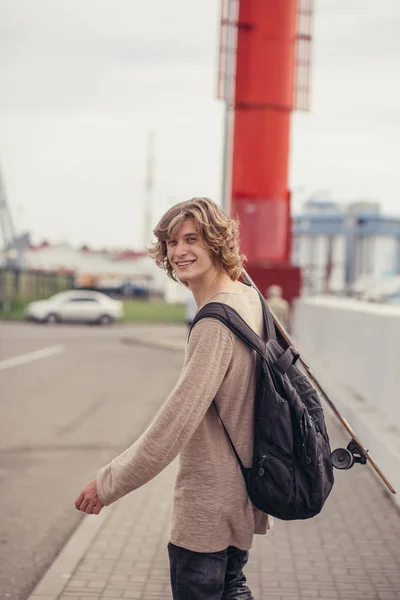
<point x="188" y="256"/>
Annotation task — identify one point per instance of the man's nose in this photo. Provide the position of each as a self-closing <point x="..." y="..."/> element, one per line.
<point x="181" y="248"/>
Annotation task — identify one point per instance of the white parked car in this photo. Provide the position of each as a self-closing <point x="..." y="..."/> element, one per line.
<point x="76" y="306"/>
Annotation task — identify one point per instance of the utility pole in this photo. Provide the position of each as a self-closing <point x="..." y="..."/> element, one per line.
<point x="226" y="90"/>
<point x="149" y="190"/>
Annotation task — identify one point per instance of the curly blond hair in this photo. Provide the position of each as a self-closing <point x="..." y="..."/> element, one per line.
<point x="219" y="233"/>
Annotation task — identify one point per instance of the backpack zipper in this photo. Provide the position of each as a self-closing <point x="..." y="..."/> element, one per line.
<point x="277" y="455"/>
<point x="261" y="463"/>
<point x="306" y="457"/>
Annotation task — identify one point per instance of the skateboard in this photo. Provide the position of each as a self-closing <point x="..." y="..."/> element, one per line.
<point x="355" y="452"/>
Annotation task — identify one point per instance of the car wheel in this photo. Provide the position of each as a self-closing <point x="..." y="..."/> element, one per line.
<point x="52" y="318"/>
<point x="105" y="320"/>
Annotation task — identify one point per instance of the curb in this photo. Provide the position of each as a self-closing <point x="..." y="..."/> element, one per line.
<point x="60" y="572"/>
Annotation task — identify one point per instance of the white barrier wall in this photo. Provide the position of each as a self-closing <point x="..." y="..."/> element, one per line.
<point x="354" y="349"/>
<point x="360" y="343"/>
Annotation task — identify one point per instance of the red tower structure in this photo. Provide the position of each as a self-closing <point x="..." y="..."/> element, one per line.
<point x="263" y="76"/>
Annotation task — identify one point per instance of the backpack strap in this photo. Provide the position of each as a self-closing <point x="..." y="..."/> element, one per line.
<point x="244" y="470"/>
<point x="231" y="318"/>
<point x="287" y="359"/>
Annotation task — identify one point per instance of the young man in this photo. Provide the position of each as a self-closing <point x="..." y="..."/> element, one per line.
<point x="213" y="519"/>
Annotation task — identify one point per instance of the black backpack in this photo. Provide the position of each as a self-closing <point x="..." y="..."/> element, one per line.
<point x="291" y="475"/>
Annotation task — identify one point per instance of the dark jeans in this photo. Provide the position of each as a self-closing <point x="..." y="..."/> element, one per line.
<point x="208" y="576"/>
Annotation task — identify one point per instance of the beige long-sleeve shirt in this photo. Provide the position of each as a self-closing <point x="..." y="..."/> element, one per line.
<point x="211" y="508"/>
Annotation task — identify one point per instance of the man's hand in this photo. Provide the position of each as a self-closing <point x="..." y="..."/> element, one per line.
<point x="88" y="500"/>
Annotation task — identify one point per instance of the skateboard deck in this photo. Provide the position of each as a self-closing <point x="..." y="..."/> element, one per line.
<point x="342" y="458"/>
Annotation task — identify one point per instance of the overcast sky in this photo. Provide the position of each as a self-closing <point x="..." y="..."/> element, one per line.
<point x="82" y="82"/>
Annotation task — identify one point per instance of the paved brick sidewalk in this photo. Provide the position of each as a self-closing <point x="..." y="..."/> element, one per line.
<point x="350" y="551"/>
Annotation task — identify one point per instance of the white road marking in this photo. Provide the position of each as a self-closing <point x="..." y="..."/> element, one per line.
<point x="30" y="356"/>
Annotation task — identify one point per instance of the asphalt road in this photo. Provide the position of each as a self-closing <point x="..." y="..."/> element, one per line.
<point x="71" y="398"/>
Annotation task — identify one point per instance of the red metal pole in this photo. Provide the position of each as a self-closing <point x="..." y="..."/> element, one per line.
<point x="263" y="102"/>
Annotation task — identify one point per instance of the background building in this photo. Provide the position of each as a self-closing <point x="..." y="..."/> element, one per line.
<point x="123" y="271"/>
<point x="342" y="248"/>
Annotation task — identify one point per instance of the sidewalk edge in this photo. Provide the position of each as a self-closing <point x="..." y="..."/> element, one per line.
<point x="61" y="570"/>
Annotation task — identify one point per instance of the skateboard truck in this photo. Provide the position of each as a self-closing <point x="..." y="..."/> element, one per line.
<point x="344" y="458"/>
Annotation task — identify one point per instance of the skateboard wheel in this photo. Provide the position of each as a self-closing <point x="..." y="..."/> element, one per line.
<point x="342" y="458"/>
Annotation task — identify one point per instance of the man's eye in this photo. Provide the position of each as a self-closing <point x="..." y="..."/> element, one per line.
<point x="192" y="239"/>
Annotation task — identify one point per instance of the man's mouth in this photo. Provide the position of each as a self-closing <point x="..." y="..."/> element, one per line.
<point x="184" y="263"/>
